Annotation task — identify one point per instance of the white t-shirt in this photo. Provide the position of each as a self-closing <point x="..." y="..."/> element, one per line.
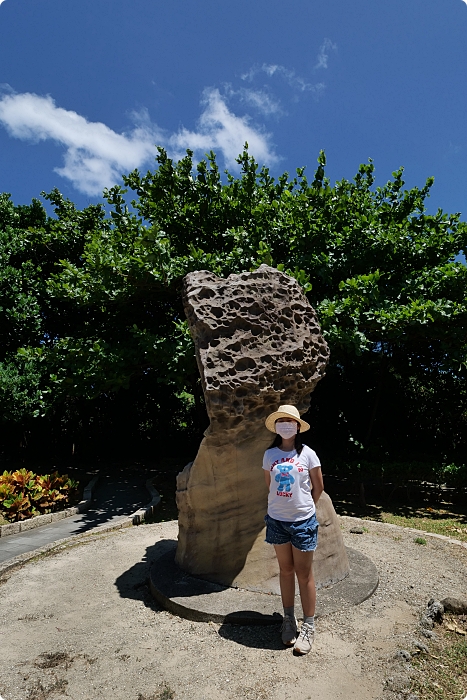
<point x="290" y="496"/>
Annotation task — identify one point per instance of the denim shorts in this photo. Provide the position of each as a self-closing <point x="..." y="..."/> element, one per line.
<point x="303" y="535"/>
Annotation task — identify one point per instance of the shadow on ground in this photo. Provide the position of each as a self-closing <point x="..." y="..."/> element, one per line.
<point x="134" y="584"/>
<point x="267" y="637"/>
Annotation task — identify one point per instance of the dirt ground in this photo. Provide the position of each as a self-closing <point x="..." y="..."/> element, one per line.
<point x="80" y="624"/>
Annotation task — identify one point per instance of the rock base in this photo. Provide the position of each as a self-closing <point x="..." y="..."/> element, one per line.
<point x="195" y="599"/>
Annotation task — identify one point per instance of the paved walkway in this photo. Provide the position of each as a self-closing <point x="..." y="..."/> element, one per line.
<point x="115" y="497"/>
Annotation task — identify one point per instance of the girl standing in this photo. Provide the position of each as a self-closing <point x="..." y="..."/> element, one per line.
<point x="293" y="475"/>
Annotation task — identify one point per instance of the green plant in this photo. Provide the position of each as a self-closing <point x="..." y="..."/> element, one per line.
<point x="95" y="336"/>
<point x="442" y="675"/>
<point x="420" y="540"/>
<point x="166" y="693"/>
<point x="24" y="494"/>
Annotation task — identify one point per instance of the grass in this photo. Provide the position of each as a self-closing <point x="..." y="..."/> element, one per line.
<point x="442" y="675"/>
<point x="57" y="658"/>
<point x="166" y="693"/>
<point x="430" y="515"/>
<point x="437" y="520"/>
<point x="39" y="692"/>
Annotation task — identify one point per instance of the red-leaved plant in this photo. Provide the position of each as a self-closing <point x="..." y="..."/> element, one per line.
<point x="24" y="494"/>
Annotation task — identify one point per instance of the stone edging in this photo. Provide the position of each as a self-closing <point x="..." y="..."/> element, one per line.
<point x="39" y="520"/>
<point x="21" y="559"/>
<point x="126" y="521"/>
<point x="414" y="530"/>
<point x="148" y="510"/>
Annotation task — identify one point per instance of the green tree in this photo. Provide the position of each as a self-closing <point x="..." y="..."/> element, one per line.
<point x="102" y="299"/>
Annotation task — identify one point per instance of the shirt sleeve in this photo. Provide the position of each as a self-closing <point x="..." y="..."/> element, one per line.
<point x="266" y="462"/>
<point x="313" y="459"/>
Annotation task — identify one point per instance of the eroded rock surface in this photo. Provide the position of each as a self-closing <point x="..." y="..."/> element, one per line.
<point x="258" y="345"/>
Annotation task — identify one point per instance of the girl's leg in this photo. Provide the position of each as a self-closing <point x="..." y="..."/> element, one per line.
<point x="303" y="565"/>
<point x="286" y="573"/>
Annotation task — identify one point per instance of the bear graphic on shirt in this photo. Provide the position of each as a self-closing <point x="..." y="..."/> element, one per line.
<point x="285" y="479"/>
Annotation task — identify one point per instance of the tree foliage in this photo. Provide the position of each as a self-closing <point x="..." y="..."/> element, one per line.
<point x="93" y="328"/>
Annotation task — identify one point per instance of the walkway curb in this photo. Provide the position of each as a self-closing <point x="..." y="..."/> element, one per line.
<point x="125" y="521"/>
<point x="47" y="518"/>
<point x="21" y="559"/>
<point x="147" y="511"/>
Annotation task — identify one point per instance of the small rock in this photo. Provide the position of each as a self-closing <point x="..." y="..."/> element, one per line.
<point x="397" y="683"/>
<point x="421" y="646"/>
<point x="428" y="633"/>
<point x="458" y="606"/>
<point x="435" y="610"/>
<point x="426" y="622"/>
<point x="403" y="654"/>
<point x="357" y="530"/>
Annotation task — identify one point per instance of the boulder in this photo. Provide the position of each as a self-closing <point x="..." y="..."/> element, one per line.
<point x="258" y="345"/>
<point x="458" y="606"/>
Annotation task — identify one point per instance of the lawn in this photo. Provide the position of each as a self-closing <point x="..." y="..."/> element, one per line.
<point x="440" y="517"/>
<point x="441" y="674"/>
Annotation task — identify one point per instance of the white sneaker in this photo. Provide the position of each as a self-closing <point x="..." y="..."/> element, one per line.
<point x="289" y="630"/>
<point x="305" y="639"/>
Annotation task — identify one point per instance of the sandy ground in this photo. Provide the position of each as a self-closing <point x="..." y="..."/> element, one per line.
<point x="80" y="624"/>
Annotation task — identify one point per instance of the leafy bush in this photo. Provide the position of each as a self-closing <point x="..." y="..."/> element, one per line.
<point x="24" y="494"/>
<point x="95" y="343"/>
<point x="402" y="472"/>
<point x="450" y="474"/>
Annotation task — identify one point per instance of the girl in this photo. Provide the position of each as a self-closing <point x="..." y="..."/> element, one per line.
<point x="295" y="482"/>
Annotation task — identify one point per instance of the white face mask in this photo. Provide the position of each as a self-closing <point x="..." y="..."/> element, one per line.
<point x="286" y="430"/>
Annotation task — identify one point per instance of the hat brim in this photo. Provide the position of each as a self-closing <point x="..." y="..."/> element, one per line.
<point x="271" y="421"/>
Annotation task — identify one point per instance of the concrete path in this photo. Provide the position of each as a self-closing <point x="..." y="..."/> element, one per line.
<point x="114" y="498"/>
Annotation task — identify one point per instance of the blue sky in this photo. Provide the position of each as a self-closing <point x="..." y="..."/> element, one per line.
<point x="88" y="88"/>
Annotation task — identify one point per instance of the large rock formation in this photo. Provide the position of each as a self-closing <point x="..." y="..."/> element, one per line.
<point x="258" y="345"/>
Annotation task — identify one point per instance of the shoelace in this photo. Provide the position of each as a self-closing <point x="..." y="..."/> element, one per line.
<point x="305" y="632"/>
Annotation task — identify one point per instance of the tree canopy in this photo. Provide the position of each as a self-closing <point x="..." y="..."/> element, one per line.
<point x="96" y="347"/>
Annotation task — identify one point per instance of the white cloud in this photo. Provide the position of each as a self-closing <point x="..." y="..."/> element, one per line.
<point x="221" y="130"/>
<point x="323" y="55"/>
<point x="96" y="156"/>
<point x="261" y="100"/>
<point x="295" y="81"/>
<point x="0" y="4"/>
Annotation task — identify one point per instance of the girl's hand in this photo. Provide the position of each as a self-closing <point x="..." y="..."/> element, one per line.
<point x="317" y="485"/>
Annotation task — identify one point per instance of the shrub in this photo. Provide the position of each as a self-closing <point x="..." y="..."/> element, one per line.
<point x="24" y="494"/>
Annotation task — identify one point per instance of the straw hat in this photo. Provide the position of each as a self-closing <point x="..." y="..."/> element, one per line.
<point x="285" y="412"/>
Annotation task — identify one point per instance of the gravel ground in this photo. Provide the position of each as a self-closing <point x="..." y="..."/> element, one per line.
<point x="80" y="624"/>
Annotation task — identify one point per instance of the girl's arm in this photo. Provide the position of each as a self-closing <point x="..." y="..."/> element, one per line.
<point x="267" y="477"/>
<point x="317" y="486"/>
